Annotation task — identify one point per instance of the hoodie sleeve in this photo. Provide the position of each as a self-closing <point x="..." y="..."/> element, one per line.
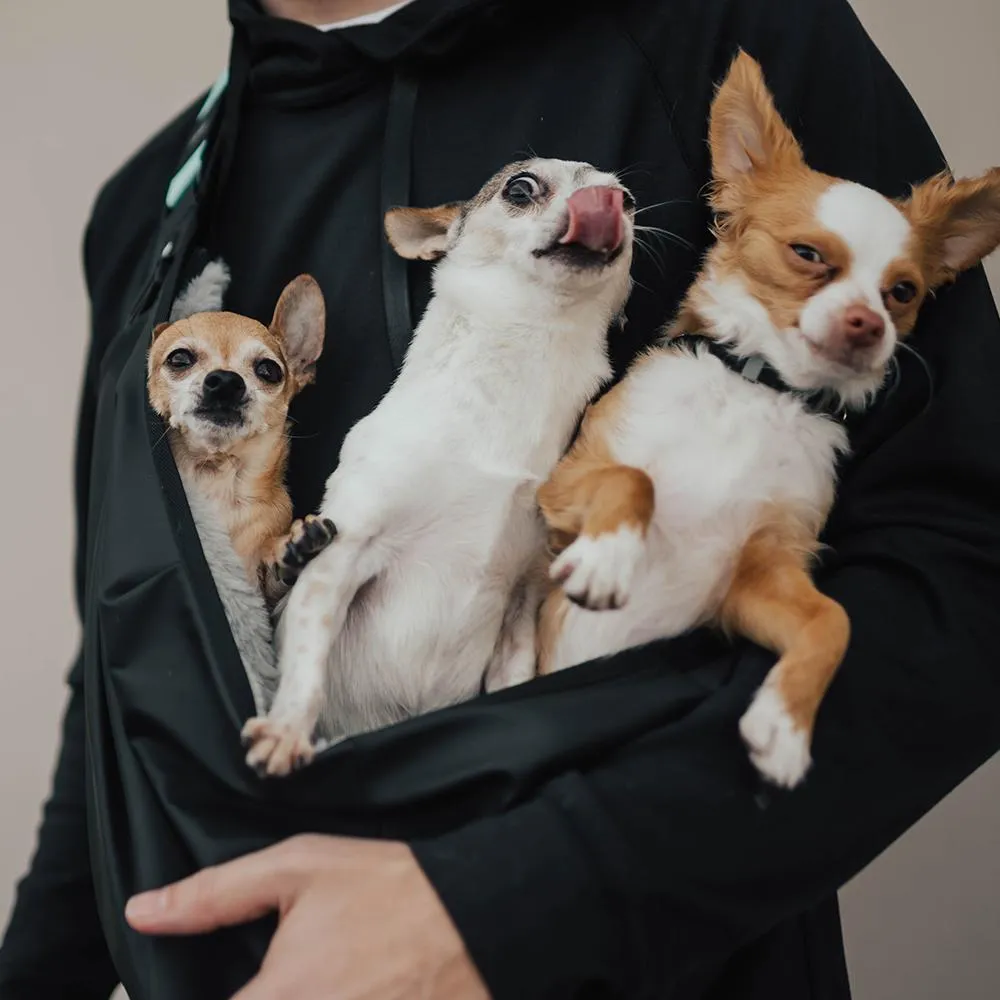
<point x="663" y="859"/>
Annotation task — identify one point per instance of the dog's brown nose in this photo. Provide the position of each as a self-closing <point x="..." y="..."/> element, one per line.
<point x="863" y="327"/>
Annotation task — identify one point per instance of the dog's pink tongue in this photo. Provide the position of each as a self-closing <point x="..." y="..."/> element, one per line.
<point x="595" y="219"/>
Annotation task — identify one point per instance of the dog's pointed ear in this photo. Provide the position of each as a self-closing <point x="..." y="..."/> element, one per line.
<point x="747" y="135"/>
<point x="300" y="324"/>
<point x="957" y="222"/>
<point x="422" y="233"/>
<point x="159" y="328"/>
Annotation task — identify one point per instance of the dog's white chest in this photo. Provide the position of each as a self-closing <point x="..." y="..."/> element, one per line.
<point x="719" y="451"/>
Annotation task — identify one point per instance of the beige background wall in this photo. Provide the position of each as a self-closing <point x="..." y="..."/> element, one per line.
<point x="83" y="82"/>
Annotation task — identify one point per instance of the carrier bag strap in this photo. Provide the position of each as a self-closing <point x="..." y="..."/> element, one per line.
<point x="202" y="170"/>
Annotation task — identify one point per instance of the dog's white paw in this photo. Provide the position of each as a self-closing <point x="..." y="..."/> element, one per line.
<point x="596" y="571"/>
<point x="275" y="750"/>
<point x="778" y="747"/>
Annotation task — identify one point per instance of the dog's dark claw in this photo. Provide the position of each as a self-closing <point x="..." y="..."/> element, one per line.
<point x="294" y="557"/>
<point x="308" y="538"/>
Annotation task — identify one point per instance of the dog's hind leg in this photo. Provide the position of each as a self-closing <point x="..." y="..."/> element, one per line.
<point x="312" y="621"/>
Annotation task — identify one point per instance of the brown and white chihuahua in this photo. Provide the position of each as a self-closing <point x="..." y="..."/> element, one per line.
<point x="697" y="488"/>
<point x="223" y="383"/>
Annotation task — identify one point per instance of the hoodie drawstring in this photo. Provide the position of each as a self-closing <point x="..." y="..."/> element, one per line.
<point x="397" y="164"/>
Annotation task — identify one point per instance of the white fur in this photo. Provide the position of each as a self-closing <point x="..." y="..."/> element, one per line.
<point x="719" y="450"/>
<point x="597" y="571"/>
<point x="204" y="292"/>
<point x="426" y="592"/>
<point x="876" y="231"/>
<point x="243" y="602"/>
<point x="877" y="234"/>
<point x="778" y="747"/>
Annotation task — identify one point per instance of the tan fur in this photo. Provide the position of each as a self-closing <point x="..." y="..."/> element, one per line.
<point x="420" y="233"/>
<point x="773" y="601"/>
<point x="747" y="136"/>
<point x="249" y="483"/>
<point x="246" y="479"/>
<point x="766" y="196"/>
<point x="551" y="617"/>
<point x="956" y="223"/>
<point x="589" y="493"/>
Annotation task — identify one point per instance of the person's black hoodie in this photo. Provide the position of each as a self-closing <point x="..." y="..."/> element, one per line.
<point x="599" y="834"/>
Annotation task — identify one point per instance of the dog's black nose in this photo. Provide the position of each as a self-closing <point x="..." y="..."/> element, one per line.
<point x="224" y="388"/>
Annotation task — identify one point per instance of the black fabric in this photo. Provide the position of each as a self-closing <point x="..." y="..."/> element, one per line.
<point x="596" y="834"/>
<point x="755" y="369"/>
<point x="396" y="169"/>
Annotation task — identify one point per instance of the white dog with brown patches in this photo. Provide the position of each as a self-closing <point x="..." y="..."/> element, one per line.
<point x="430" y="589"/>
<point x="698" y="486"/>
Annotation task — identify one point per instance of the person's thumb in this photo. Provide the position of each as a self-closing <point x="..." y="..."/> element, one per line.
<point x="232" y="893"/>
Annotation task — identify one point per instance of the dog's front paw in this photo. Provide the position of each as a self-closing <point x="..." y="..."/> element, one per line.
<point x="779" y="748"/>
<point x="275" y="750"/>
<point x="307" y="538"/>
<point x="596" y="571"/>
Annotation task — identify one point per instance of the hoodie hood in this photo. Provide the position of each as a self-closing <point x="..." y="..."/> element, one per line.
<point x="294" y="64"/>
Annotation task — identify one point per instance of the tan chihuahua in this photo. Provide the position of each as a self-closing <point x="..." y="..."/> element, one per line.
<point x="223" y="383"/>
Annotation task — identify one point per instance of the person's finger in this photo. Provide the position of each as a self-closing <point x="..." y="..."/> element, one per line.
<point x="232" y="893"/>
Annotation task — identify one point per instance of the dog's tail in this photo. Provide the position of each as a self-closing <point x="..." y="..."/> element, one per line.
<point x="204" y="292"/>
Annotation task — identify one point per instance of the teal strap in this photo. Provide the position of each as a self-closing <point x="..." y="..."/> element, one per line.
<point x="212" y="97"/>
<point x="189" y="170"/>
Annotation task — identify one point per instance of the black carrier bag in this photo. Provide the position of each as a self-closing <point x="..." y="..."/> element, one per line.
<point x="166" y="695"/>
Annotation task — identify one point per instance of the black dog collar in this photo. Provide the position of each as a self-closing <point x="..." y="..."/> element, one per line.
<point x="755" y="369"/>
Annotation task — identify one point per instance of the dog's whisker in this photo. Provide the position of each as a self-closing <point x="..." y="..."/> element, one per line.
<point x="630" y="171"/>
<point x="661" y="204"/>
<point x="653" y="255"/>
<point x="666" y="234"/>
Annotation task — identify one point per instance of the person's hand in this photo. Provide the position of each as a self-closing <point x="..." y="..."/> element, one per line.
<point x="358" y="920"/>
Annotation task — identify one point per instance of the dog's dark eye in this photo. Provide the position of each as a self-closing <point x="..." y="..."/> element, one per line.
<point x="522" y="190"/>
<point x="268" y="371"/>
<point x="808" y="253"/>
<point x="903" y="292"/>
<point x="180" y="359"/>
